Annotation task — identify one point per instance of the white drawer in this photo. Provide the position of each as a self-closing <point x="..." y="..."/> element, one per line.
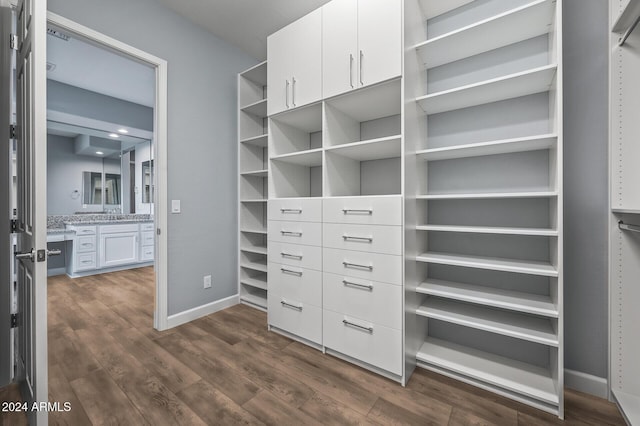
<point x="295" y="210"/>
<point x="85" y="261"/>
<point x="295" y="317"/>
<point x="363" y="210"/>
<point x="309" y="257"/>
<point x="147" y="254"/>
<point x="117" y="229"/>
<point x="83" y="230"/>
<point x="370" y="238"/>
<point x="303" y="285"/>
<point x="369" y="266"/>
<point x="366" y="300"/>
<point x="307" y="233"/>
<point x="147" y="227"/>
<point x="85" y="244"/>
<point x="148" y="238"/>
<point x="365" y="341"/>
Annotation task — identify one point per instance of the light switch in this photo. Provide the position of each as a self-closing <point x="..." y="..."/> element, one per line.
<point x="175" y="206"/>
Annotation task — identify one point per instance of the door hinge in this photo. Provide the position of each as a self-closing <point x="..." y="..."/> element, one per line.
<point x="14" y="42"/>
<point x="158" y="231"/>
<point x="13" y="131"/>
<point x="14" y="226"/>
<point x="14" y="320"/>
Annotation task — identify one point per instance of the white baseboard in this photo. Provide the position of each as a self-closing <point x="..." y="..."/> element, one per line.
<point x="582" y="382"/>
<point x="201" y="311"/>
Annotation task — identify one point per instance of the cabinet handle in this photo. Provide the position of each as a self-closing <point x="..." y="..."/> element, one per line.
<point x="289" y="305"/>
<point x="87" y="261"/>
<point x="361" y="67"/>
<point x="292" y="211"/>
<point x="290" y="272"/>
<point x="87" y="244"/>
<point x="291" y="234"/>
<point x="355" y="265"/>
<point x="351" y="70"/>
<point x="359" y="327"/>
<point x="293" y="91"/>
<point x="362" y="286"/>
<point x="349" y="237"/>
<point x="354" y="211"/>
<point x="286" y="95"/>
<point x="291" y="256"/>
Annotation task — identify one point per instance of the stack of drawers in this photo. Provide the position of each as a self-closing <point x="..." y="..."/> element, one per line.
<point x="85" y="246"/>
<point x="362" y="279"/>
<point x="295" y="267"/>
<point x="147" y="244"/>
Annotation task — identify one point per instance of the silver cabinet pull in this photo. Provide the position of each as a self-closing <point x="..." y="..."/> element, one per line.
<point x="289" y="305"/>
<point x="54" y="252"/>
<point x="355" y="265"/>
<point x="359" y="327"/>
<point x="361" y="286"/>
<point x="290" y="272"/>
<point x="291" y="233"/>
<point x="291" y="211"/>
<point x="361" y="67"/>
<point x="293" y="91"/>
<point x="291" y="256"/>
<point x="349" y="237"/>
<point x="351" y="70"/>
<point x="87" y="261"/>
<point x="286" y="95"/>
<point x="87" y="244"/>
<point x="356" y="211"/>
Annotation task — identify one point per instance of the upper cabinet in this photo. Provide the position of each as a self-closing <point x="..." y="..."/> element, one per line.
<point x="362" y="44"/>
<point x="294" y="55"/>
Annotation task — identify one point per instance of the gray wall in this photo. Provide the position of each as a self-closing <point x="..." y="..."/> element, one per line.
<point x="586" y="52"/>
<point x="202" y="137"/>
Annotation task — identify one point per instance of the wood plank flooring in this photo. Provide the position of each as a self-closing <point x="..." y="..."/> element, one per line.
<point x="106" y="359"/>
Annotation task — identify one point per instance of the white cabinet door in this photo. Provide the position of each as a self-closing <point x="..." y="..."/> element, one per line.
<point x="379" y="40"/>
<point x="339" y="47"/>
<point x="118" y="249"/>
<point x="306" y="53"/>
<point x="279" y="74"/>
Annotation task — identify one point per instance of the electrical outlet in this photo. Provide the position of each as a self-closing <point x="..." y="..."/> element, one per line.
<point x="207" y="281"/>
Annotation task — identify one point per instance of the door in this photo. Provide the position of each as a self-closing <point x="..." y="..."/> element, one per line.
<point x="279" y="75"/>
<point x="379" y="40"/>
<point x="32" y="209"/>
<point x="306" y="53"/>
<point x="118" y="249"/>
<point x="339" y="47"/>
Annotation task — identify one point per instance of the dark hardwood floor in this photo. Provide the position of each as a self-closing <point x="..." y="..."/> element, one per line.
<point x="109" y="363"/>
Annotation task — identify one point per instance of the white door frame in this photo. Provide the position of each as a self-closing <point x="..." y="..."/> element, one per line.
<point x="160" y="321"/>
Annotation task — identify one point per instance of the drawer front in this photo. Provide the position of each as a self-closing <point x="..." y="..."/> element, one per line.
<point x="295" y="317"/>
<point x="147" y="254"/>
<point x="309" y="257"/>
<point x="303" y="285"/>
<point x="147" y="227"/>
<point x="306" y="233"/>
<point x="85" y="244"/>
<point x="369" y="238"/>
<point x="85" y="261"/>
<point x="365" y="341"/>
<point x="148" y="238"/>
<point x="117" y="229"/>
<point x="367" y="300"/>
<point x="295" y="210"/>
<point x="83" y="230"/>
<point x="363" y="210"/>
<point x="369" y="266"/>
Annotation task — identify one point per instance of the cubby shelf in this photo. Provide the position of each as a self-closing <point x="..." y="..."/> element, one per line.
<point x="432" y="9"/>
<point x="514" y="376"/>
<point x="256" y="173"/>
<point x="254" y="299"/>
<point x="374" y="149"/>
<point x="490" y="263"/>
<point x="254" y="231"/>
<point x="308" y="158"/>
<point x="256" y="250"/>
<point x="254" y="266"/>
<point x="254" y="282"/>
<point x="259" y="108"/>
<point x="625" y="211"/>
<point x="627" y="17"/>
<point x="522" y="23"/>
<point x="490" y="230"/>
<point x="256" y="200"/>
<point x="506" y="146"/>
<point x="498" y="89"/>
<point x="370" y="103"/>
<point x="525" y="327"/>
<point x="489" y="296"/>
<point x="259" y="141"/>
<point x="489" y="195"/>
<point x="257" y="74"/>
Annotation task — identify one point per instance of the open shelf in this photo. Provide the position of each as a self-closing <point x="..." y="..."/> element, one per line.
<point x="514" y="376"/>
<point x="506" y="323"/>
<point x="375" y="149"/>
<point x="257" y="74"/>
<point x="625" y="211"/>
<point x="432" y="9"/>
<point x="630" y="405"/>
<point x="309" y="158"/>
<point x="259" y="108"/>
<point x="490" y="263"/>
<point x="489" y="195"/>
<point x="494" y="90"/>
<point x="256" y="250"/>
<point x="255" y="266"/>
<point x="254" y="231"/>
<point x="246" y="200"/>
<point x="506" y="146"/>
<point x="254" y="282"/>
<point x="490" y="230"/>
<point x="489" y="296"/>
<point x="260" y="141"/>
<point x="256" y="299"/>
<point x="627" y="17"/>
<point x="256" y="173"/>
<point x="522" y="23"/>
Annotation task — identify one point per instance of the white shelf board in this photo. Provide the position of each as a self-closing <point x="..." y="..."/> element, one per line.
<point x="489" y="296"/>
<point x="261" y="141"/>
<point x="628" y="16"/>
<point x="374" y="149"/>
<point x="256" y="173"/>
<point x="256" y="250"/>
<point x="431" y="8"/>
<point x="489" y="195"/>
<point x="506" y="323"/>
<point x="254" y="299"/>
<point x="494" y="90"/>
<point x="516" y="25"/>
<point x="253" y="282"/>
<point x="505" y="146"/>
<point x="490" y="263"/>
<point x="625" y="211"/>
<point x="257" y="74"/>
<point x="515" y="376"/>
<point x="255" y="200"/>
<point x="309" y="158"/>
<point x="253" y="231"/>
<point x="259" y="109"/>
<point x="306" y="118"/>
<point x="629" y="404"/>
<point x="541" y="232"/>
<point x="255" y="266"/>
<point x="370" y="103"/>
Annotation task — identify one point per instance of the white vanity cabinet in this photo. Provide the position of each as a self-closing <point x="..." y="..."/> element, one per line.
<point x="84" y="249"/>
<point x="147" y="242"/>
<point x="119" y="245"/>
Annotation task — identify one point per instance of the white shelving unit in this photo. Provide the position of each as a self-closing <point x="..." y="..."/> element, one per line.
<point x="485" y="134"/>
<point x="253" y="166"/>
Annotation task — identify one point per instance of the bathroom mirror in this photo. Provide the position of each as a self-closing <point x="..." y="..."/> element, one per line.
<point x="92" y="188"/>
<point x="147" y="181"/>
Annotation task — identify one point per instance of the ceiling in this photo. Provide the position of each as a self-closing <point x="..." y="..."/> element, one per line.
<point x="244" y="23"/>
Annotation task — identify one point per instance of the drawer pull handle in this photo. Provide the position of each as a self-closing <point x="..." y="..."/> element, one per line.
<point x="291" y="211"/>
<point x="355" y="265"/>
<point x="289" y="271"/>
<point x="356" y="211"/>
<point x="289" y="305"/>
<point x="87" y="261"/>
<point x="87" y="244"/>
<point x="359" y="327"/>
<point x="291" y="256"/>
<point x="349" y="237"/>
<point x="291" y="234"/>
<point x="362" y="286"/>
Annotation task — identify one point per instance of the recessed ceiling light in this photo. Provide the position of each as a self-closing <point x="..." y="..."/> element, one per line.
<point x="123" y="131"/>
<point x="114" y="135"/>
<point x="99" y="152"/>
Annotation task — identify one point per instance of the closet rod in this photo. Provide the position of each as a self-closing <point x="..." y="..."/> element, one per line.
<point x="627" y="33"/>
<point x="625" y="227"/>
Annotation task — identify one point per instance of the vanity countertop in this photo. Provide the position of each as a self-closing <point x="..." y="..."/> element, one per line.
<point x="57" y="223"/>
